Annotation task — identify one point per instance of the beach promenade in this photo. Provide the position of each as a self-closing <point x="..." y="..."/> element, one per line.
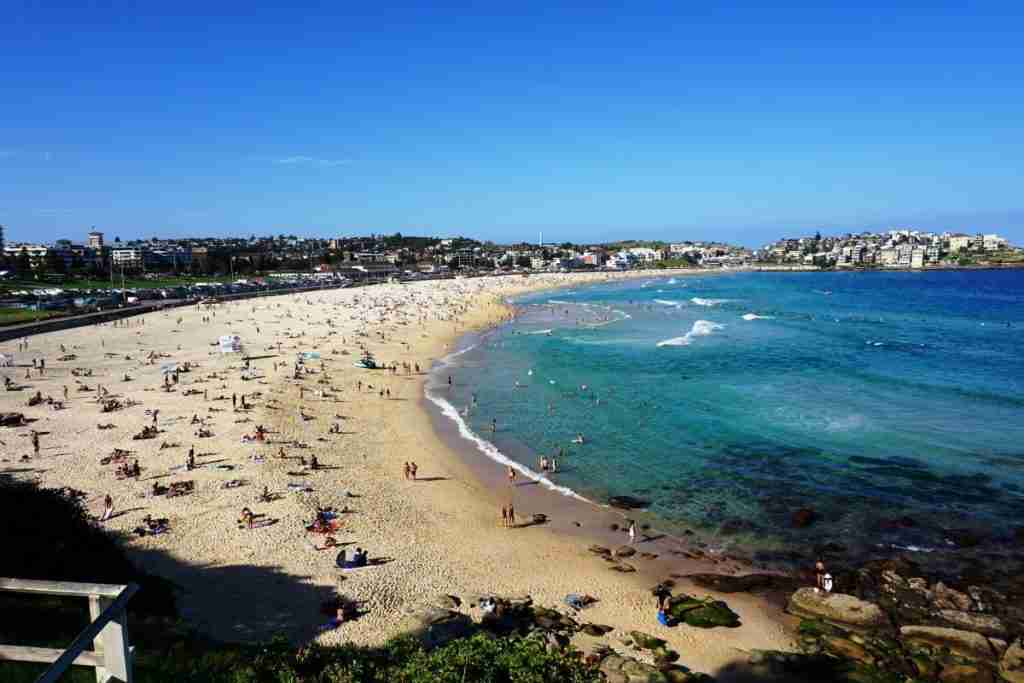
<point x="436" y="535"/>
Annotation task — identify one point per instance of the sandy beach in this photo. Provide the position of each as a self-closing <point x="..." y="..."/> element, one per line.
<point x="440" y="534"/>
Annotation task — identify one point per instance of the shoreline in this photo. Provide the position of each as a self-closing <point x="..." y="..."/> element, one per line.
<point x="438" y="535"/>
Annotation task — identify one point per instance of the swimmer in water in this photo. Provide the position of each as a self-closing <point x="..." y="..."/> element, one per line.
<point x="578" y="439"/>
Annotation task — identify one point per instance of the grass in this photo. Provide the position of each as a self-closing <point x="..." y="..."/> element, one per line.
<point x="74" y="282"/>
<point x="13" y="316"/>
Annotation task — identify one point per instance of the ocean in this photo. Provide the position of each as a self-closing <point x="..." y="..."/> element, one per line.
<point x="891" y="404"/>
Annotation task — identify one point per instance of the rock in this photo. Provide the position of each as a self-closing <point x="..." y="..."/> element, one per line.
<point x="846" y="649"/>
<point x="614" y="527"/>
<point x="623" y="568"/>
<point x="965" y="673"/>
<point x="985" y="624"/>
<point x="837" y="608"/>
<point x="646" y="642"/>
<point x="944" y="597"/>
<point x="1011" y="666"/>
<point x="627" y="502"/>
<point x="804" y="517"/>
<point x="701" y="613"/>
<point x="964" y="643"/>
<point x="599" y="550"/>
<point x="625" y="551"/>
<point x="596" y="630"/>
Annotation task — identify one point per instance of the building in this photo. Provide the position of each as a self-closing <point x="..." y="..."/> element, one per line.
<point x="127" y="258"/>
<point x="917" y="258"/>
<point x="36" y="252"/>
<point x="95" y="240"/>
<point x="959" y="243"/>
<point x="989" y="243"/>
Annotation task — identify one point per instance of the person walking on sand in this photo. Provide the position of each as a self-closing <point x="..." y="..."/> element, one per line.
<point x="632" y="532"/>
<point x="405" y="471"/>
<point x="108" y="508"/>
<point x="511" y="475"/>
<point x="412" y="470"/>
<point x="504" y="516"/>
<point x="511" y="515"/>
<point x="35" y="441"/>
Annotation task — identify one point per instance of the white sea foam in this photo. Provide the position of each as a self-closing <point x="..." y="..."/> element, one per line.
<point x="708" y="302"/>
<point x="701" y="328"/>
<point x="669" y="302"/>
<point x="671" y="281"/>
<point x="557" y="301"/>
<point x="492" y="452"/>
<point x="754" y="316"/>
<point x="548" y="331"/>
<point x="485" y="446"/>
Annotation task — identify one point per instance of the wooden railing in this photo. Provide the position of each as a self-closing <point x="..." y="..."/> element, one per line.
<point x="111" y="655"/>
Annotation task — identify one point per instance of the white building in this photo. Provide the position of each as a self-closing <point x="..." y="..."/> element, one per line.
<point x="993" y="242"/>
<point x="127" y="258"/>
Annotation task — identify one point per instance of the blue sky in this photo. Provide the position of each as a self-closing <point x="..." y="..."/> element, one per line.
<point x="670" y="121"/>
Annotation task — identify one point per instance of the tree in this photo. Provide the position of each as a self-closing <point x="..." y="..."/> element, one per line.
<point x="23" y="264"/>
<point x="54" y="262"/>
<point x="117" y="240"/>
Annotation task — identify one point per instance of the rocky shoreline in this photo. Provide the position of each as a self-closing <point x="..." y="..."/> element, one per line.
<point x="894" y="626"/>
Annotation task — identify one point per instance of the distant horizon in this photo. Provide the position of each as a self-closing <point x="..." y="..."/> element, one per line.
<point x="738" y="123"/>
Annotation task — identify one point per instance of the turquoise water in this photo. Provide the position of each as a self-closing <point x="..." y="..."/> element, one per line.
<point x="868" y="397"/>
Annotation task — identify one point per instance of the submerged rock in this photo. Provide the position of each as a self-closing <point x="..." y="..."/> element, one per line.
<point x="747" y="583"/>
<point x="804" y="517"/>
<point x="628" y="502"/>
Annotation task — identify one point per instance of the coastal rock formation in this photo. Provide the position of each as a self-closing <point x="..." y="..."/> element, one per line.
<point x="964" y="643"/>
<point x="836" y="608"/>
<point x="1011" y="666"/>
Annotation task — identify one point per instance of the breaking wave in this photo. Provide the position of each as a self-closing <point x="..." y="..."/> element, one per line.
<point x="701" y="328"/>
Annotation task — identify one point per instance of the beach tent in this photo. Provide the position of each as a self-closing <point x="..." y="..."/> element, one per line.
<point x="230" y="343"/>
<point x="168" y="368"/>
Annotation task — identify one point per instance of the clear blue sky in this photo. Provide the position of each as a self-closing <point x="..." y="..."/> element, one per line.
<point x="671" y="120"/>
